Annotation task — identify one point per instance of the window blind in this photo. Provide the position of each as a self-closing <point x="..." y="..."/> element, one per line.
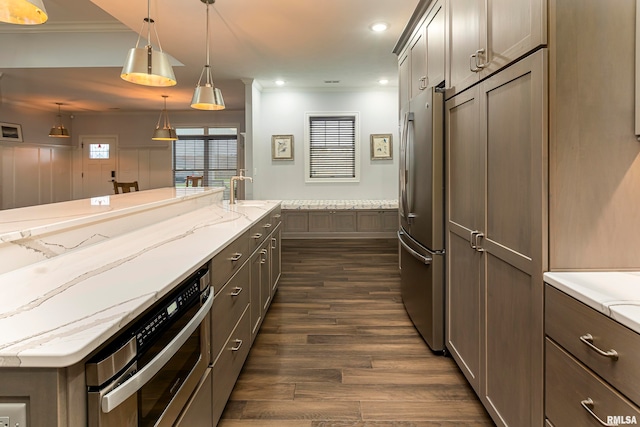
<point x="332" y="147"/>
<point x="215" y="157"/>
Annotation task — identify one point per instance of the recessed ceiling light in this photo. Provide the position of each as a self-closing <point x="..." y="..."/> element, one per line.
<point x="280" y="82"/>
<point x="379" y="27"/>
<point x="383" y="81"/>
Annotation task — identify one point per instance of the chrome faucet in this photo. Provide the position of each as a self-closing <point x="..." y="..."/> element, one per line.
<point x="232" y="198"/>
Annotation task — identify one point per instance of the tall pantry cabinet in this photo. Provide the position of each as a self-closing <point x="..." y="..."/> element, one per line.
<point x="497" y="163"/>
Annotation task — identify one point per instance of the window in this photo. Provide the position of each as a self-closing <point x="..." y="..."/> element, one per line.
<point x="98" y="151"/>
<point x="208" y="152"/>
<point x="332" y="149"/>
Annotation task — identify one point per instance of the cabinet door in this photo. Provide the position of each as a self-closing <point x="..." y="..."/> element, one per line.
<point x="463" y="35"/>
<point x="276" y="259"/>
<point x="295" y="222"/>
<point x="514" y="112"/>
<point x="390" y="220"/>
<point x="320" y="221"/>
<point x="511" y="30"/>
<point x="197" y="411"/>
<point x="404" y="79"/>
<point x="369" y="221"/>
<point x="418" y="54"/>
<point x="255" y="305"/>
<point x="343" y="221"/>
<point x="435" y="33"/>
<point x="265" y="277"/>
<point x="465" y="178"/>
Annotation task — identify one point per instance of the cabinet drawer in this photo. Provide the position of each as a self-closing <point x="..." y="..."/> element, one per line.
<point x="276" y="217"/>
<point x="569" y="384"/>
<point x="229" y="364"/>
<point x="229" y="260"/>
<point x="228" y="306"/>
<point x="567" y="319"/>
<point x="259" y="231"/>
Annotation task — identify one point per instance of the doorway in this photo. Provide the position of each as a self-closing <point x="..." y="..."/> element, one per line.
<point x="98" y="165"/>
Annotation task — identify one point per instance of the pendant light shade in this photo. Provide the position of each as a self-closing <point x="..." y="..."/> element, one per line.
<point x="23" y="12"/>
<point x="166" y="132"/>
<point x="145" y="65"/>
<point x="206" y="96"/>
<point x="58" y="130"/>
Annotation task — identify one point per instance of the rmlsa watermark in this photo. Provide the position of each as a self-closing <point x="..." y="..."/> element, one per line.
<point x="621" y="420"/>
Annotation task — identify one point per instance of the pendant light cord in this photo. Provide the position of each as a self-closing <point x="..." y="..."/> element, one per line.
<point x="208" y="63"/>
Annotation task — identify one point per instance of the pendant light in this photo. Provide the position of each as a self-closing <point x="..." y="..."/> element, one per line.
<point x="23" y="12"/>
<point x="145" y="65"/>
<point x="58" y="130"/>
<point x="207" y="96"/>
<point x="166" y="132"/>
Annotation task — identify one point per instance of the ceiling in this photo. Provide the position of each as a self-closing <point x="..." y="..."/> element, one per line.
<point x="76" y="57"/>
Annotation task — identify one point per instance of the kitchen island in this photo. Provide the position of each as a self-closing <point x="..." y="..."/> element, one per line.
<point x="58" y="311"/>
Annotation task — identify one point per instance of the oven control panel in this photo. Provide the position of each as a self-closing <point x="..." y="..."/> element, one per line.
<point x="187" y="295"/>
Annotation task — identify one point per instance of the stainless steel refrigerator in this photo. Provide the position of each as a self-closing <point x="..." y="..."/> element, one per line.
<point x="421" y="210"/>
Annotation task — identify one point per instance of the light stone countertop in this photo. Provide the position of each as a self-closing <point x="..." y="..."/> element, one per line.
<point x="32" y="234"/>
<point x="55" y="312"/>
<point x="338" y="204"/>
<point x="615" y="294"/>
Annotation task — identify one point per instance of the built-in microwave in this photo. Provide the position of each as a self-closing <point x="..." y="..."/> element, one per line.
<point x="148" y="373"/>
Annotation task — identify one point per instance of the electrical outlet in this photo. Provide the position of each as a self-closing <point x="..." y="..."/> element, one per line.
<point x="13" y="415"/>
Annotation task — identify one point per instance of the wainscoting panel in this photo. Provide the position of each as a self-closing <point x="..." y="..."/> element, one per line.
<point x="33" y="175"/>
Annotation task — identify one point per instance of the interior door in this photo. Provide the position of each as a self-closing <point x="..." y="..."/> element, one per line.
<point x="98" y="165"/>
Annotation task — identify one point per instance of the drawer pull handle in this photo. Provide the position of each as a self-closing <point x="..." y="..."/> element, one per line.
<point x="588" y="405"/>
<point x="235" y="257"/>
<point x="236" y="291"/>
<point x="257" y="236"/>
<point x="588" y="340"/>
<point x="267" y="225"/>
<point x="238" y="345"/>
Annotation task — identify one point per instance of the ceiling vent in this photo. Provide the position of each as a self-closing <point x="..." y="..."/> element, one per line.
<point x="332" y="82"/>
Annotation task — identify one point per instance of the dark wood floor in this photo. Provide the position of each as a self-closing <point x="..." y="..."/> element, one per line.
<point x="337" y="349"/>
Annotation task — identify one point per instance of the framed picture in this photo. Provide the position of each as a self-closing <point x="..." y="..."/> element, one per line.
<point x="381" y="147"/>
<point x="282" y="147"/>
<point x="10" y="132"/>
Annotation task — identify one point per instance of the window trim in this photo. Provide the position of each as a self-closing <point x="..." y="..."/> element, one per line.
<point x="307" y="146"/>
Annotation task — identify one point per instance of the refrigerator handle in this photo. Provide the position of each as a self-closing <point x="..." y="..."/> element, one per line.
<point x="424" y="259"/>
<point x="404" y="170"/>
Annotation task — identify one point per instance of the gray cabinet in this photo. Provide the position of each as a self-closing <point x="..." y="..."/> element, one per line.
<point x="197" y="412"/>
<point x="380" y="223"/>
<point x="275" y="254"/>
<point x="496" y="134"/>
<point x="295" y="221"/>
<point x="422" y="63"/>
<point x="484" y="37"/>
<point x="578" y="376"/>
<point x="332" y="221"/>
<point x="372" y="221"/>
<point x="436" y="46"/>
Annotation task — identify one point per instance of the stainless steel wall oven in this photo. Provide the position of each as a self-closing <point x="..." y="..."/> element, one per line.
<point x="148" y="373"/>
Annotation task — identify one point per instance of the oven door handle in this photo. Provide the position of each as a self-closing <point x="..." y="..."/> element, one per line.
<point x="122" y="392"/>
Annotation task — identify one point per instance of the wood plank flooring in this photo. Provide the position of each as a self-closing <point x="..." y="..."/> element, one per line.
<point x="338" y="349"/>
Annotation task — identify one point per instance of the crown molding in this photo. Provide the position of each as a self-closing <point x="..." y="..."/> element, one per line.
<point x="66" y="27"/>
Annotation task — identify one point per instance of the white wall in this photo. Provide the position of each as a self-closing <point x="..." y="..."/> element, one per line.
<point x="283" y="113"/>
<point x="55" y="164"/>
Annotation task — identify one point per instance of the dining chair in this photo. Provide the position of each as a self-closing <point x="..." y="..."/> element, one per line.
<point x="125" y="187"/>
<point x="194" y="180"/>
